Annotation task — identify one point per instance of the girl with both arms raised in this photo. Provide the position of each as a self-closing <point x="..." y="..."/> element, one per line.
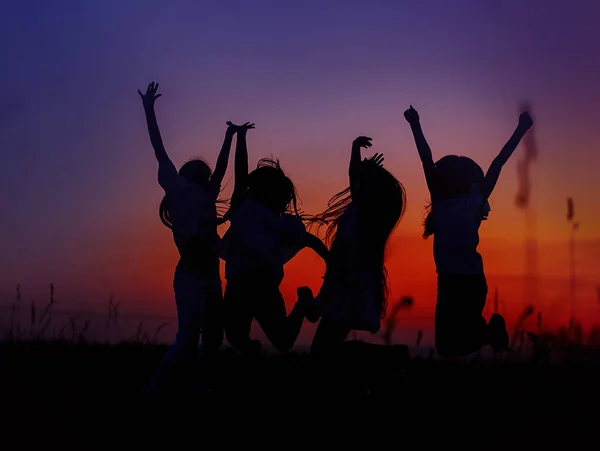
<point x="189" y="209"/>
<point x="459" y="202"/>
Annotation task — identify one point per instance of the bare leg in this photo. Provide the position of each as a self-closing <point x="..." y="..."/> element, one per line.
<point x="239" y="313"/>
<point x="212" y="339"/>
<point x="176" y="369"/>
<point x="281" y="329"/>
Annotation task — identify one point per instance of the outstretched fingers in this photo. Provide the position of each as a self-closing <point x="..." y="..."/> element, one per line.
<point x="375" y="159"/>
<point x="153" y="90"/>
<point x="378" y="159"/>
<point x="150" y="92"/>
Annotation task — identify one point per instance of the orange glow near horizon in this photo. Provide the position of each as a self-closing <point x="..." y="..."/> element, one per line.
<point x="79" y="190"/>
<point x="137" y="259"/>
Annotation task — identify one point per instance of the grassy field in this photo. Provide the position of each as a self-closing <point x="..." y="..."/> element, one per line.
<point x="69" y="394"/>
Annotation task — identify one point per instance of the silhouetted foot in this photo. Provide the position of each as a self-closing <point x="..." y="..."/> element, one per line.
<point x="307" y="300"/>
<point x="498" y="335"/>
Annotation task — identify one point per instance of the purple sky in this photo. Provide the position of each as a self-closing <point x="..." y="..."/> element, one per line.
<point x="78" y="176"/>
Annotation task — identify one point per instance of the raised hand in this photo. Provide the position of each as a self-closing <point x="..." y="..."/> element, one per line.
<point x="231" y="128"/>
<point x="240" y="128"/>
<point x="375" y="159"/>
<point x="363" y="141"/>
<point x="525" y="121"/>
<point x="411" y="116"/>
<point x="150" y="96"/>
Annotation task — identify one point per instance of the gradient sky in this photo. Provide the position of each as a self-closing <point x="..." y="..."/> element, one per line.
<point x="78" y="179"/>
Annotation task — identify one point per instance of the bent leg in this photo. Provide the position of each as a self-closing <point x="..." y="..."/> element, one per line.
<point x="238" y="316"/>
<point x="329" y="337"/>
<point x="281" y="329"/>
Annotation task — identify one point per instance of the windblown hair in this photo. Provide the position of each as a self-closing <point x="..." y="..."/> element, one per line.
<point x="269" y="185"/>
<point x="453" y="177"/>
<point x="198" y="172"/>
<point x="381" y="203"/>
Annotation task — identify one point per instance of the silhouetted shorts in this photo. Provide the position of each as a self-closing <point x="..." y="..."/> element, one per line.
<point x="460" y="328"/>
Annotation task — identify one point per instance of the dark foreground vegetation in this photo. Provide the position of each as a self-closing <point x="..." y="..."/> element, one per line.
<point x="81" y="396"/>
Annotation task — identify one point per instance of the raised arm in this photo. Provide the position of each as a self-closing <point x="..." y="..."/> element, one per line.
<point x="317" y="245"/>
<point x="493" y="173"/>
<point x="148" y="100"/>
<point x="240" y="166"/>
<point x="412" y="117"/>
<point x="355" y="162"/>
<point x="223" y="159"/>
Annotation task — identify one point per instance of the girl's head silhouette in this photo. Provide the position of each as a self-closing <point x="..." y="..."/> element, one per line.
<point x="380" y="196"/>
<point x="382" y="200"/>
<point x="269" y="185"/>
<point x="453" y="176"/>
<point x="195" y="172"/>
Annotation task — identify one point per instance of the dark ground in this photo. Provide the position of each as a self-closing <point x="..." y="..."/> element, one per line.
<point x="77" y="396"/>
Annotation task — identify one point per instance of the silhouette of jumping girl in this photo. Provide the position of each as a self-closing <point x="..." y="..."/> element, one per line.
<point x="265" y="232"/>
<point x="189" y="209"/>
<point x="359" y="222"/>
<point x="459" y="202"/>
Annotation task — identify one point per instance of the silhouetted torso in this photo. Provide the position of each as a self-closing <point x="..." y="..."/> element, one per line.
<point x="193" y="214"/>
<point x="456" y="233"/>
<point x="254" y="238"/>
